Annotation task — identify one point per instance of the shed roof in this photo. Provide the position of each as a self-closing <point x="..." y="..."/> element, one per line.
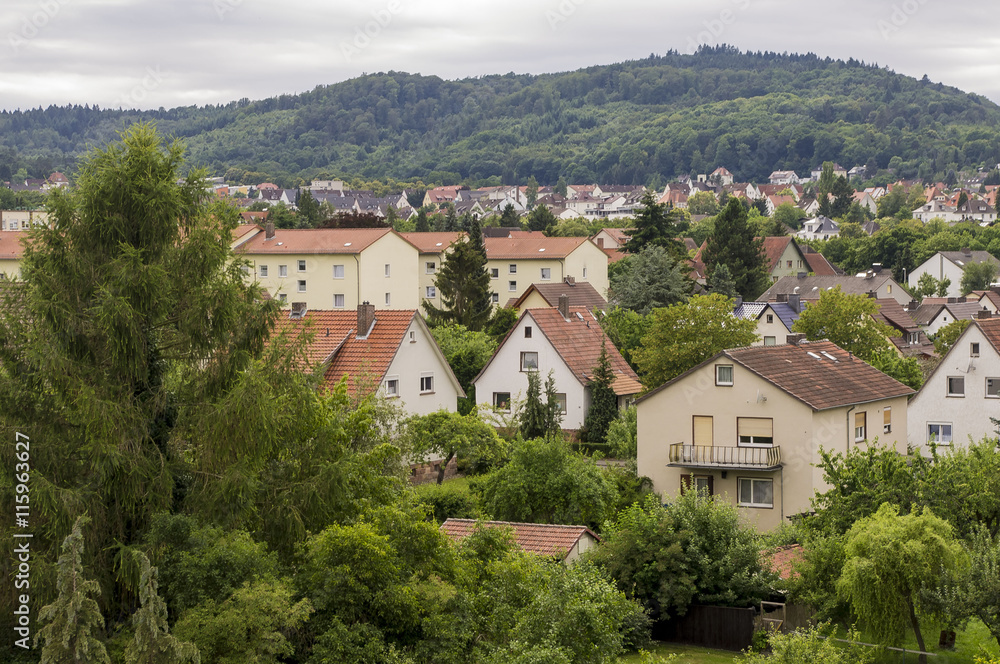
<point x="541" y="538"/>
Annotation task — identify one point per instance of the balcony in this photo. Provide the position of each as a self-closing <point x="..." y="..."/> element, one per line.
<point x="713" y="456"/>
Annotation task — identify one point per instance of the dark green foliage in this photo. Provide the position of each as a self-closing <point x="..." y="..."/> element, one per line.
<point x="973" y="591"/>
<point x="603" y="400"/>
<point x="655" y="225"/>
<point x="540" y="414"/>
<point x="153" y="643"/>
<point x="309" y="211"/>
<point x="502" y="322"/>
<point x="978" y="276"/>
<point x="423" y="224"/>
<point x="509" y="217"/>
<point x="649" y="280"/>
<point x="540" y="219"/>
<point x="467" y="352"/>
<point x="464" y="287"/>
<point x="722" y="282"/>
<point x="843" y="193"/>
<point x="448" y="501"/>
<point x="446" y="435"/>
<point x="625" y="328"/>
<point x="734" y="245"/>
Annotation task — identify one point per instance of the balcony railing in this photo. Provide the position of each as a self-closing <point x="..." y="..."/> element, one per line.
<point x="712" y="456"/>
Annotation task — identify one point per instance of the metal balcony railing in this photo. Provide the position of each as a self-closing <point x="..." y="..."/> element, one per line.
<point x="713" y="456"/>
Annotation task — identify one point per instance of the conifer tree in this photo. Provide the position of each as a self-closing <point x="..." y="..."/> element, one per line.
<point x="72" y="621"/>
<point x="533" y="419"/>
<point x="423" y="223"/>
<point x="603" y="400"/>
<point x="463" y="284"/>
<point x="509" y="217"/>
<point x="309" y="210"/>
<point x="153" y="643"/>
<point x="733" y="244"/>
<point x="655" y="224"/>
<point x="541" y="218"/>
<point x="722" y="282"/>
<point x="450" y="219"/>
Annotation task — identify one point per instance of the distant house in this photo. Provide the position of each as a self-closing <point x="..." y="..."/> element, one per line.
<point x="935" y="313"/>
<point x="540" y="296"/>
<point x="820" y="228"/>
<point x="951" y="265"/>
<point x="611" y="238"/>
<point x="564" y="543"/>
<point x="783" y="257"/>
<point x="774" y="319"/>
<point x="723" y="175"/>
<point x="749" y="424"/>
<point x="388" y="351"/>
<point x="784" y="177"/>
<point x="962" y="394"/>
<point x="864" y="199"/>
<point x="516" y="263"/>
<point x="565" y="340"/>
<point x="881" y="284"/>
<point x="11" y="252"/>
<point x="911" y="340"/>
<point x="433" y="248"/>
<point x="988" y="299"/>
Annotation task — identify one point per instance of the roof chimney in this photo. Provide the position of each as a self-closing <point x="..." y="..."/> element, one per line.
<point x="794" y="339"/>
<point x="564" y="305"/>
<point x="781" y="297"/>
<point x="737" y="302"/>
<point x="984" y="313"/>
<point x="571" y="281"/>
<point x="366" y="319"/>
<point x="269" y="230"/>
<point x="298" y="310"/>
<point x="876" y="267"/>
<point x="912" y="306"/>
<point x="793" y="302"/>
<point x="966" y="251"/>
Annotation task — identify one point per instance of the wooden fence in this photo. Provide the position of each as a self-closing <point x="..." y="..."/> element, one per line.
<point x="720" y="627"/>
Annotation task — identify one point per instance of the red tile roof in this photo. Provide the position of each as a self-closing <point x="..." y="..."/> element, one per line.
<point x="614" y="255"/>
<point x="990" y="328"/>
<point x="12" y="244"/>
<point x="524" y="234"/>
<point x="578" y="342"/>
<point x="432" y="243"/>
<point x="774" y="247"/>
<point x="315" y="241"/>
<point x="817" y="262"/>
<point x="541" y="538"/>
<point x="783" y="559"/>
<point x="335" y="341"/>
<point x="502" y="248"/>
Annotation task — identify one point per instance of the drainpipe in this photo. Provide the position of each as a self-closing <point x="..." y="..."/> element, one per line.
<point x="850" y="429"/>
<point x="357" y="260"/>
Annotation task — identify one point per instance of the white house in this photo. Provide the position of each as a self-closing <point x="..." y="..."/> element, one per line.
<point x="950" y="265"/>
<point x="564" y="340"/>
<point x="962" y="394"/>
<point x="820" y="228"/>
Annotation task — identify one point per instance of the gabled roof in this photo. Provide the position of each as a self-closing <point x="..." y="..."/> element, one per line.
<point x="810" y="287"/>
<point x="432" y="243"/>
<point x="894" y="315"/>
<point x="617" y="234"/>
<point x="820" y="374"/>
<point x="774" y="247"/>
<point x="754" y="310"/>
<point x="581" y="294"/>
<point x="542" y="538"/>
<point x="503" y="248"/>
<point x="315" y="241"/>
<point x="990" y="327"/>
<point x="991" y="296"/>
<point x="962" y="259"/>
<point x="817" y="262"/>
<point x="750" y="310"/>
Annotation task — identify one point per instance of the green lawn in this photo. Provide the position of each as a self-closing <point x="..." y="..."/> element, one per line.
<point x="968" y="644"/>
<point x="688" y="654"/>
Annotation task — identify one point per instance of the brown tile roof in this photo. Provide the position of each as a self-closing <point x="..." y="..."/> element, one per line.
<point x="991" y="296"/>
<point x="431" y="243"/>
<point x="783" y="558"/>
<point x="254" y="217"/>
<point x="524" y="234"/>
<point x="12" y="244"/>
<point x="314" y="241"/>
<point x="893" y="314"/>
<point x="990" y="328"/>
<point x="578" y="342"/>
<point x="502" y="248"/>
<point x="617" y="234"/>
<point x="774" y="247"/>
<point x="614" y="255"/>
<point x="581" y="294"/>
<point x="541" y="538"/>
<point x="817" y="262"/>
<point x="336" y="342"/>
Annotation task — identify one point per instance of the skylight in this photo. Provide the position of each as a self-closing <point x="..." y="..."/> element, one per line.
<point x="347" y="244"/>
<point x="812" y="354"/>
<point x="438" y="244"/>
<point x="542" y="249"/>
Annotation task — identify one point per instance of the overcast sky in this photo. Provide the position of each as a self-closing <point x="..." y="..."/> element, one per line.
<point x="153" y="53"/>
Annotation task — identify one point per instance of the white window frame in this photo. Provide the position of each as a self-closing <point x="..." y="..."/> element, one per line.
<point x="494" y="273"/>
<point x="506" y="406"/>
<point x="388" y="299"/>
<point x="388" y="269"/>
<point x="412" y="336"/>
<point x="512" y="268"/>
<point x="996" y="387"/>
<point x="525" y="354"/>
<point x="392" y="387"/>
<point x="427" y="383"/>
<point x="770" y="318"/>
<point x="430" y="292"/>
<point x="282" y="297"/>
<point x="263" y="271"/>
<point x="282" y="270"/>
<point x="770" y="341"/>
<point x="430" y="267"/>
<point x="546" y="273"/>
<point x="301" y="265"/>
<point x="720" y="381"/>
<point x="887" y="426"/>
<point x="527" y="331"/>
<point x="338" y="271"/>
<point x="561" y="401"/>
<point x="302" y="286"/>
<point x="750" y="503"/>
<point x="511" y="286"/>
<point x="342" y="300"/>
<point x="948" y="390"/>
<point x="860" y="432"/>
<point x="584" y="273"/>
<point x="940" y="425"/>
<point x="974" y="349"/>
<point x="495" y="297"/>
<point x="752" y="440"/>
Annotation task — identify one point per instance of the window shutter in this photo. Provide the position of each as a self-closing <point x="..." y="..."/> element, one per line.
<point x="755" y="426"/>
<point x="711" y="485"/>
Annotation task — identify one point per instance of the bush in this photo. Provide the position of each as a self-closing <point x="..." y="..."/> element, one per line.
<point x="451" y="500"/>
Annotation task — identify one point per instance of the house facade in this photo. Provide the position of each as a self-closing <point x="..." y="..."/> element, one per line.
<point x="516" y="263"/>
<point x="433" y="248"/>
<point x="749" y="424"/>
<point x="957" y="401"/>
<point x="774" y="319"/>
<point x="950" y="265"/>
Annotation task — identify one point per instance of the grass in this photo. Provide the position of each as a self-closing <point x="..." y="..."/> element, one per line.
<point x="686" y="654"/>
<point x="458" y="483"/>
<point x="968" y="643"/>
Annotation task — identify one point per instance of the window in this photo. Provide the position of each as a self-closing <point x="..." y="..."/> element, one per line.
<point x="546" y="273"/>
<point x="494" y="273"/>
<point x="755" y="492"/>
<point x="974" y="349"/>
<point x="413" y="337"/>
<point x="302" y="266"/>
<point x="338" y="271"/>
<point x="914" y="337"/>
<point x="430" y="268"/>
<point x="263" y="271"/>
<point x="700" y="483"/>
<point x="800" y="263"/>
<point x="584" y="273"/>
<point x="392" y="387"/>
<point x="788" y="263"/>
<point x="387" y="269"/>
<point x="529" y="361"/>
<point x="13" y="225"/>
<point x="388" y="299"/>
<point x="860" y="427"/>
<point x="302" y="285"/>
<point x="512" y="285"/>
<point x="495" y="297"/>
<point x="527" y="331"/>
<point x="501" y="401"/>
<point x="338" y="301"/>
<point x="431" y="292"/>
<point x="282" y="270"/>
<point x="426" y="383"/>
<point x="887" y="420"/>
<point x="993" y="388"/>
<point x="561" y="400"/>
<point x="770" y="341"/>
<point x="723" y="374"/>
<point x="939" y="433"/>
<point x="956" y="386"/>
<point x="755" y="431"/>
<point x="888" y="288"/>
<point x="770" y="318"/>
<point x="246" y="270"/>
<point x="282" y="297"/>
<point x="512" y="268"/>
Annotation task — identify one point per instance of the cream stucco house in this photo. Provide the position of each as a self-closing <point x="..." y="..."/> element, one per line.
<point x="749" y="424"/>
<point x="962" y="394"/>
<point x="433" y="248"/>
<point x="516" y="263"/>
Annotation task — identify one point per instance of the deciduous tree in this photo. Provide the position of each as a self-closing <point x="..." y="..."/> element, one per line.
<point x="978" y="276"/>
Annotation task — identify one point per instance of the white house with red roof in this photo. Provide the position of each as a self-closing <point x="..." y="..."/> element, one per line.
<point x="564" y="340"/>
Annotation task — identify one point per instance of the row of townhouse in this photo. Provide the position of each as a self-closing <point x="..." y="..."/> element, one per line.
<point x="341" y="268"/>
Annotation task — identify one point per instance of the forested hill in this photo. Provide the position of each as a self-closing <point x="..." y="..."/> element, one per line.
<point x="640" y="122"/>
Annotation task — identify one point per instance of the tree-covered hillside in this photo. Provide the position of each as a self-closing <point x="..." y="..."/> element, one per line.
<point x="640" y="122"/>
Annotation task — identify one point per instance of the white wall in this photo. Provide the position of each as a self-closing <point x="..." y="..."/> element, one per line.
<point x="939" y="267"/>
<point x="417" y="358"/>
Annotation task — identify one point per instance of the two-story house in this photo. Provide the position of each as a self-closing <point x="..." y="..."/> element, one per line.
<point x="516" y="263"/>
<point x="962" y="394"/>
<point x="11" y="253"/>
<point x="565" y="340"/>
<point x="749" y="423"/>
<point x="433" y="248"/>
<point x="774" y="319"/>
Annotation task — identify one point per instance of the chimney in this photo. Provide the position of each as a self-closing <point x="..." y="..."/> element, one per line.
<point x="869" y="274"/>
<point x="985" y="313"/>
<point x="794" y="339"/>
<point x="564" y="305"/>
<point x="966" y="251"/>
<point x="781" y="297"/>
<point x="913" y="305"/>
<point x="269" y="230"/>
<point x="793" y="302"/>
<point x="366" y="318"/>
<point x="952" y="300"/>
<point x="298" y="310"/>
<point x="876" y="268"/>
<point x="570" y="281"/>
<point x="802" y="275"/>
<point x="872" y="294"/>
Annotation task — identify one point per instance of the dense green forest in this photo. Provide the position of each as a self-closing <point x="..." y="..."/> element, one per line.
<point x="639" y="122"/>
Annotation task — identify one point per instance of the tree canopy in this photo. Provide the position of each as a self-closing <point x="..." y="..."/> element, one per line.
<point x="733" y="243"/>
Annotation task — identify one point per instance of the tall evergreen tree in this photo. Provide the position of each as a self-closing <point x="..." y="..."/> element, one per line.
<point x="721" y="281"/>
<point x="72" y="622"/>
<point x="450" y="218"/>
<point x="153" y="643"/>
<point x="733" y="244"/>
<point x="309" y="210"/>
<point x="531" y="194"/>
<point x="603" y="400"/>
<point x="533" y="419"/>
<point x="423" y="223"/>
<point x="509" y="217"/>
<point x="541" y="218"/>
<point x="464" y="285"/>
<point x="656" y="224"/>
